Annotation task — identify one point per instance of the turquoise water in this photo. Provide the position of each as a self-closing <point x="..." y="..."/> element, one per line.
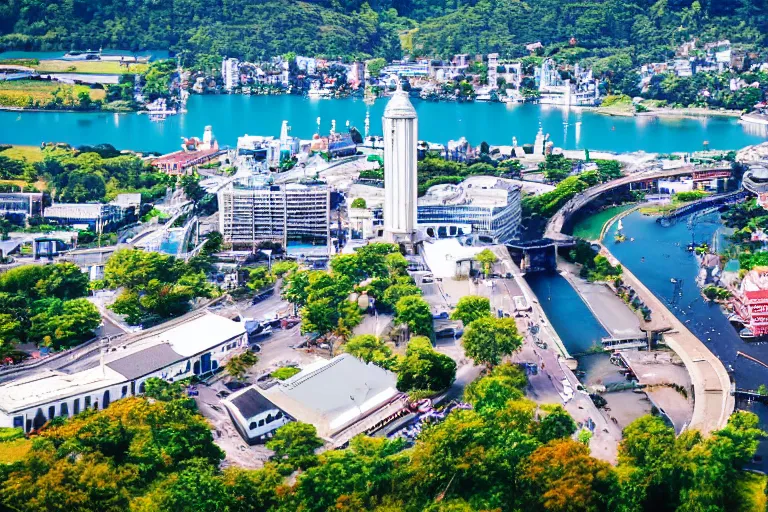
<point x="235" y="115"/>
<point x="13" y="54"/>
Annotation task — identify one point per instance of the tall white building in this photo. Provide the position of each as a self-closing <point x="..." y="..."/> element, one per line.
<point x="230" y="73"/>
<point x="400" y="139"/>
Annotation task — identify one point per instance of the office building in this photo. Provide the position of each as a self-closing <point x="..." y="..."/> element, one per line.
<point x="483" y="206"/>
<point x="252" y="210"/>
<point x="21" y="205"/>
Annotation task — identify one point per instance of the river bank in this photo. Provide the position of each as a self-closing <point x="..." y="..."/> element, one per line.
<point x="686" y="112"/>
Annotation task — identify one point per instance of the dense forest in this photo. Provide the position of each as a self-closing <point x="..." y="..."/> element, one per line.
<point x="626" y="32"/>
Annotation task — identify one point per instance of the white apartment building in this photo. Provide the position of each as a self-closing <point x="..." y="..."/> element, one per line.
<point x="252" y="210"/>
<point x="230" y="73"/>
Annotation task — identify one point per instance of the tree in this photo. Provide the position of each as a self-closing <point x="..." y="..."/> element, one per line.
<point x="557" y="424"/>
<point x="487" y="340"/>
<point x="259" y="278"/>
<point x="424" y="369"/>
<point x="371" y="349"/>
<point x="295" y="444"/>
<point x="562" y="477"/>
<point x="190" y="183"/>
<point x="359" y="203"/>
<point x="375" y="66"/>
<point x="282" y="268"/>
<point x="296" y="288"/>
<point x="237" y="366"/>
<point x="396" y="292"/>
<point x="161" y="389"/>
<point x="470" y="308"/>
<point x="486" y="258"/>
<point x="415" y="312"/>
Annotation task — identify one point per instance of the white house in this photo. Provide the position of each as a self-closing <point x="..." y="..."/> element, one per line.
<point x="253" y="415"/>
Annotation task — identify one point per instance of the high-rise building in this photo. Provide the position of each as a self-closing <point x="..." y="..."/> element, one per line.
<point x="230" y="73"/>
<point x="400" y="153"/>
<point x="252" y="210"/>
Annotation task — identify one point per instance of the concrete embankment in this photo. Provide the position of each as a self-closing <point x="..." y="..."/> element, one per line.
<point x="713" y="400"/>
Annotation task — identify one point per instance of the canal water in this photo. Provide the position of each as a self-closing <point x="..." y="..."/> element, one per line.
<point x="234" y="115"/>
<point x="577" y="327"/>
<point x="659" y="254"/>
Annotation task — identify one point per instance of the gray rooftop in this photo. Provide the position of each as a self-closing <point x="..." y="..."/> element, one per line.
<point x="338" y="385"/>
<point x="251" y="402"/>
<point x="145" y="361"/>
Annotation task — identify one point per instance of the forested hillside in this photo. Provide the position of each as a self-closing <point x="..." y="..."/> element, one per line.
<point x="636" y="31"/>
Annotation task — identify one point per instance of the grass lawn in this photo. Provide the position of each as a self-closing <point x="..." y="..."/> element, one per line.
<point x="31" y="154"/>
<point x="286" y="372"/>
<point x="14" y="451"/>
<point x="16" y="93"/>
<point x="589" y="228"/>
<point x="91" y="67"/>
<point x="751" y="490"/>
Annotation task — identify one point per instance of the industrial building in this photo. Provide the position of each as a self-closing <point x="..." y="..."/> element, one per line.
<point x="485" y="206"/>
<point x="342" y="397"/>
<point x="252" y="210"/>
<point x="196" y="347"/>
<point x="97" y="217"/>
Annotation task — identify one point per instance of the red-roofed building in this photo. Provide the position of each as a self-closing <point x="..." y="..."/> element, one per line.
<point x="754" y="294"/>
<point x="193" y="152"/>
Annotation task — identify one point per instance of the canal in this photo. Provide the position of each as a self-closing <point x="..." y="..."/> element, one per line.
<point x="657" y="255"/>
<point x="232" y="116"/>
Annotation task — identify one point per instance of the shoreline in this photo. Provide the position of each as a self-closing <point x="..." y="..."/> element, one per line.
<point x="67" y="110"/>
<point x="688" y="113"/>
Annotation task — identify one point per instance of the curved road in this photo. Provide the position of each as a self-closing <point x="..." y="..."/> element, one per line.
<point x="555" y="225"/>
<point x="713" y="400"/>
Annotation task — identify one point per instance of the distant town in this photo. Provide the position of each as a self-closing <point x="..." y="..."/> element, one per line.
<point x="161" y="88"/>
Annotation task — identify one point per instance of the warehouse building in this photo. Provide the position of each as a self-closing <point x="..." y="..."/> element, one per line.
<point x="342" y="398"/>
<point x="197" y="347"/>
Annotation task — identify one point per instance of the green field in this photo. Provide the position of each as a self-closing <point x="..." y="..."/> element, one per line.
<point x="40" y="93"/>
<point x="31" y="154"/>
<point x="589" y="228"/>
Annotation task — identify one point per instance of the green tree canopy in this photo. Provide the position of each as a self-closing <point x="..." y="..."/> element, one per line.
<point x="470" y="308"/>
<point x="487" y="340"/>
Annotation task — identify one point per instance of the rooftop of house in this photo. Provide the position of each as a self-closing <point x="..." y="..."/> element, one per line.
<point x="334" y="394"/>
<point x="123" y="363"/>
<point x="249" y="403"/>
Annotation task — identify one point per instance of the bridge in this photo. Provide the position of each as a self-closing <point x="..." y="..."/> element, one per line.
<point x="555" y="225"/>
<point x="712" y="202"/>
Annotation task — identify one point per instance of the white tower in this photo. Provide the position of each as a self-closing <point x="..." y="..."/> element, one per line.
<point x="400" y="137"/>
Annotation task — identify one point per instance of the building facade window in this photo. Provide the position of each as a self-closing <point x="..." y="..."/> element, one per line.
<point x="76" y="406"/>
<point x="51" y="412"/>
<point x="87" y="402"/>
<point x="64" y="410"/>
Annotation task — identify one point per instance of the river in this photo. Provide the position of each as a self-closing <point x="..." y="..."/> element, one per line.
<point x="234" y="115"/>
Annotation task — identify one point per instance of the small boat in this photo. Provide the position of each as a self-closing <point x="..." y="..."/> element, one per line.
<point x="80" y="55"/>
<point x="747" y="334"/>
<point x="672" y="280"/>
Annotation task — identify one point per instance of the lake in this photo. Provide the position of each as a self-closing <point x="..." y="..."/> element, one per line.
<point x="235" y="115"/>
